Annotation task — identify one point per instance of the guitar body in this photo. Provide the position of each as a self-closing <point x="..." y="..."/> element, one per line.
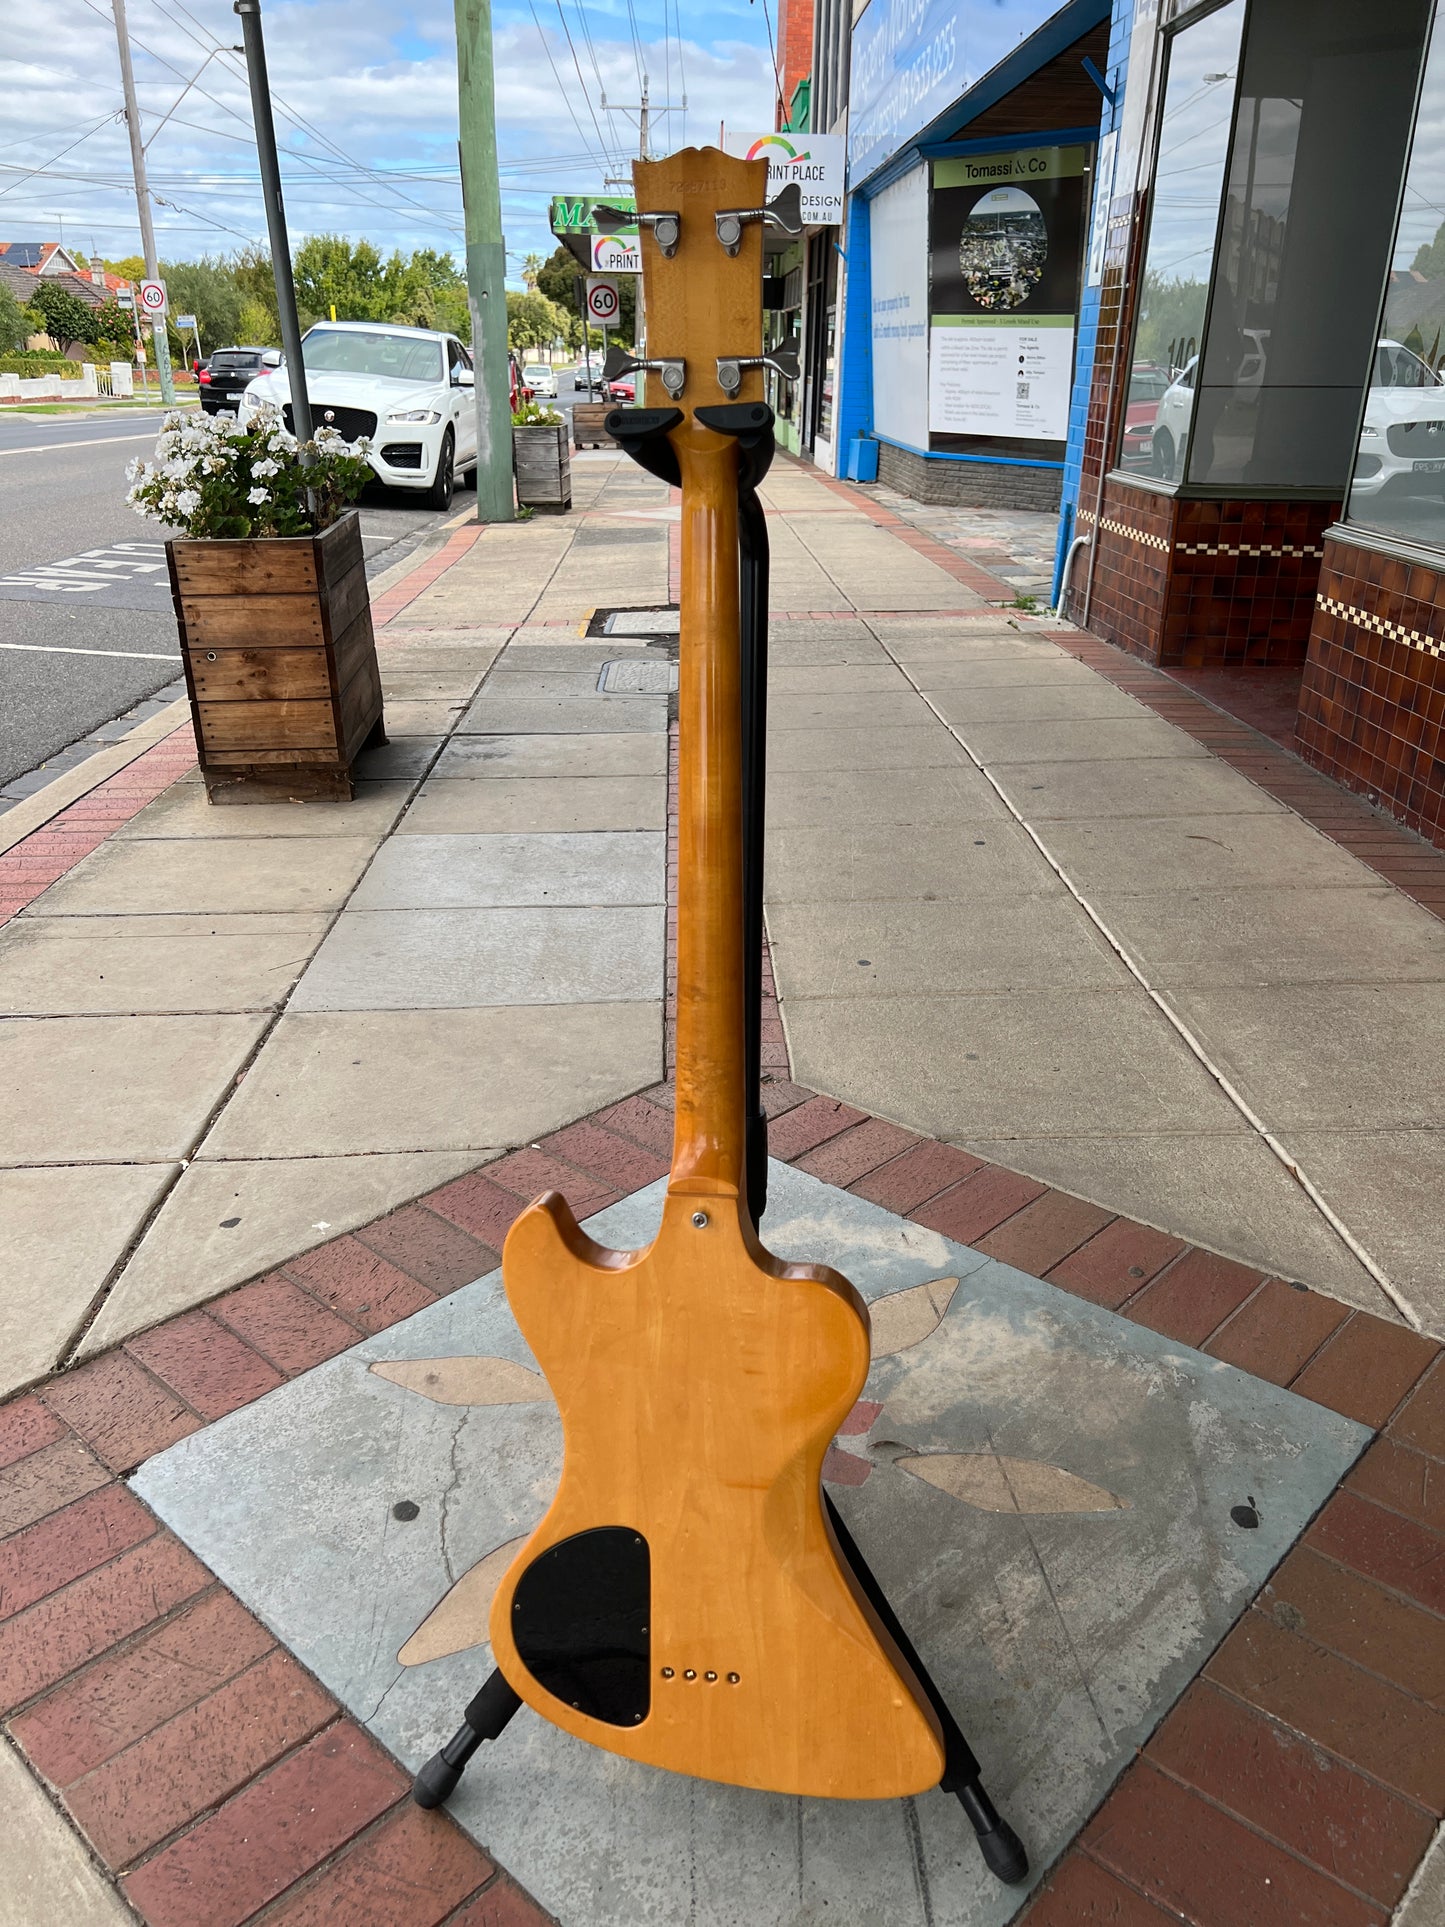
<point x="699" y="1384"/>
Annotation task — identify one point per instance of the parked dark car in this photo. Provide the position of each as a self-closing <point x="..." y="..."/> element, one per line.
<point x="224" y="377"/>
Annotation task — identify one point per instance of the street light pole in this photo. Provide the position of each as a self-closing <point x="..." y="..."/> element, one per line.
<point x="142" y="198"/>
<point x="250" y="12"/>
<point x="486" y="259"/>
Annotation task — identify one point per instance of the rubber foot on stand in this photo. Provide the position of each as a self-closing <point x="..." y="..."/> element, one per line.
<point x="1003" y="1854"/>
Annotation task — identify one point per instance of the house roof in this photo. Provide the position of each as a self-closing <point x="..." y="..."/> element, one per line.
<point x="40" y="257"/>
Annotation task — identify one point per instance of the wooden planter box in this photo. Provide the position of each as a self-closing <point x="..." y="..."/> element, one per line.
<point x="280" y="661"/>
<point x="543" y="463"/>
<point x="589" y="424"/>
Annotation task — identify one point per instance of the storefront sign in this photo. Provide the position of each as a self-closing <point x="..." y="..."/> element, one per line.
<point x="572" y="213"/>
<point x="616" y="254"/>
<point x="992" y="375"/>
<point x="1103" y="200"/>
<point x="899" y="291"/>
<point x="814" y="161"/>
<point x="911" y="59"/>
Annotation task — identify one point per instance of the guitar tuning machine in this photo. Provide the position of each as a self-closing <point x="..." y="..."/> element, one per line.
<point x="665" y="227"/>
<point x="784" y="212"/>
<point x="783" y="360"/>
<point x="673" y="372"/>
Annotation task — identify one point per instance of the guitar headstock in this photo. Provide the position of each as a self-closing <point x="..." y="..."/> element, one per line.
<point x="702" y="215"/>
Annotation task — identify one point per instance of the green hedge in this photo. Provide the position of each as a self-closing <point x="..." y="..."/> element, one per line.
<point x="27" y="364"/>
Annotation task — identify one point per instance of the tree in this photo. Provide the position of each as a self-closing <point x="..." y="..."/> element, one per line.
<point x="207" y="289"/>
<point x="1430" y="256"/>
<point x="257" y="326"/>
<point x="54" y="311"/>
<point x="533" y="321"/>
<point x="130" y="267"/>
<point x="557" y="279"/>
<point x="15" y="326"/>
<point x="531" y="268"/>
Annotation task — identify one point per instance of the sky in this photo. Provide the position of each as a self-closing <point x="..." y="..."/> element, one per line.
<point x="366" y="114"/>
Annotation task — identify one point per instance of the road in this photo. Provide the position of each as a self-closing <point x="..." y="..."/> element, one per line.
<point x="85" y="642"/>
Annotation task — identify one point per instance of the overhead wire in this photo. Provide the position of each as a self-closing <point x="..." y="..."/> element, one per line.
<point x="577" y="65"/>
<point x="46" y="165"/>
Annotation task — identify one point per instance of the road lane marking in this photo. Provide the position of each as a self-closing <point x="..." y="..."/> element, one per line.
<point x="90" y="570"/>
<point x="93" y="441"/>
<point x="58" y="649"/>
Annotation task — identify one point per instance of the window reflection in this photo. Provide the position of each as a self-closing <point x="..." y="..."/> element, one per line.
<point x="1399" y="479"/>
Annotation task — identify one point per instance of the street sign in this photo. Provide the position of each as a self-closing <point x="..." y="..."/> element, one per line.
<point x="603" y="301"/>
<point x="617" y="254"/>
<point x="186" y="323"/>
<point x="153" y="300"/>
<point x="125" y="298"/>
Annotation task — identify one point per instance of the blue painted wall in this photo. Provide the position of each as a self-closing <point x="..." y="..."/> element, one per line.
<point x="853" y="378"/>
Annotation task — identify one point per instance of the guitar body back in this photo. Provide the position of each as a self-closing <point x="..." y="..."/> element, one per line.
<point x="683" y="1602"/>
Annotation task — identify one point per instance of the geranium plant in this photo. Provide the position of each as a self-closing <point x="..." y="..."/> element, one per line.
<point x="214" y="477"/>
<point x="533" y="415"/>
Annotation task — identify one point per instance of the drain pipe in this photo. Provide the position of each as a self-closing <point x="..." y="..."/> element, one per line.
<point x="1079" y="542"/>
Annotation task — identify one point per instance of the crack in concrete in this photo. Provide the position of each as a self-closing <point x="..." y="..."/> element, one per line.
<point x="448" y="1493"/>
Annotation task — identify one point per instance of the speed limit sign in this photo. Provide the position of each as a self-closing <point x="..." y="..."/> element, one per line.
<point x="153" y="300"/>
<point x="603" y="302"/>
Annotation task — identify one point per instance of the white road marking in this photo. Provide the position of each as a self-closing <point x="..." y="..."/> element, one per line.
<point x="90" y="570"/>
<point x="58" y="649"/>
<point x="94" y="441"/>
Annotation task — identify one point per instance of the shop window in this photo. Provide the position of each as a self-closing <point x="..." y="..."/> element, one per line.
<point x="1399" y="480"/>
<point x="1325" y="96"/>
<point x="1183" y="226"/>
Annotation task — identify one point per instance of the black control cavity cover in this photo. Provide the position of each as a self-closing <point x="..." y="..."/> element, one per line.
<point x="581" y="1617"/>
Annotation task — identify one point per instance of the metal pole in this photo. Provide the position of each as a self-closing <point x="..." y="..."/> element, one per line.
<point x="250" y="12"/>
<point x="142" y="199"/>
<point x="486" y="259"/>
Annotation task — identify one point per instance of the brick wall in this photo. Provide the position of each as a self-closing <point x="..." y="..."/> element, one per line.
<point x="997" y="485"/>
<point x="795" y="43"/>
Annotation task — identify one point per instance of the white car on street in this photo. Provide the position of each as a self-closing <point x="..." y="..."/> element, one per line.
<point x="408" y="390"/>
<point x="1404" y="430"/>
<point x="541" y="379"/>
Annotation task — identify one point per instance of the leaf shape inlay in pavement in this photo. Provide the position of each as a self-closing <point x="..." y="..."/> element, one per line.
<point x="467" y="1381"/>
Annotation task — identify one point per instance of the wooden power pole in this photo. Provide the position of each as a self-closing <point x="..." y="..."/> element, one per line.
<point x="159" y="338"/>
<point x="486" y="259"/>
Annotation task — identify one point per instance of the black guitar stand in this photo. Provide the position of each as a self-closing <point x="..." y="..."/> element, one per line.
<point x="642" y="432"/>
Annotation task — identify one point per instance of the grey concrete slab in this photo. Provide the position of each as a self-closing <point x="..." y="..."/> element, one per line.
<point x="531" y="683"/>
<point x="1329" y="1057"/>
<point x="567" y="657"/>
<point x="98" y="1089"/>
<point x="897" y="708"/>
<point x="1086" y="740"/>
<point x="811" y="650"/>
<point x="184" y="811"/>
<point x="332" y="1084"/>
<point x="445" y="959"/>
<point x="430" y="685"/>
<point x="835" y="679"/>
<point x="833" y="797"/>
<point x="1283" y="936"/>
<point x="401" y="756"/>
<point x="1011" y="669"/>
<point x="47" y="1876"/>
<point x="1061" y="1636"/>
<point x="1387" y="1186"/>
<point x="413" y="658"/>
<point x="850" y="749"/>
<point x="962" y="642"/>
<point x="446" y="806"/>
<point x="472" y="757"/>
<point x="74" y="966"/>
<point x="224" y="1223"/>
<point x="198" y="876"/>
<point x="1225" y="1191"/>
<point x="1031" y="1062"/>
<point x="62" y="1229"/>
<point x="549" y="867"/>
<point x="1061" y="791"/>
<point x="884" y="949"/>
<point x="403" y="719"/>
<point x="1038" y="697"/>
<point x="643" y="622"/>
<point x="1424" y="1904"/>
<point x="937" y="861"/>
<point x="590" y="715"/>
<point x="1142" y="855"/>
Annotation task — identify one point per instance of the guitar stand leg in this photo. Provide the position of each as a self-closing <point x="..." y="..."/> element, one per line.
<point x="1002" y="1850"/>
<point x="484" y="1719"/>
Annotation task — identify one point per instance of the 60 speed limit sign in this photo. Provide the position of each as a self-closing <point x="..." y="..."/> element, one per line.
<point x="153" y="300"/>
<point x="603" y="301"/>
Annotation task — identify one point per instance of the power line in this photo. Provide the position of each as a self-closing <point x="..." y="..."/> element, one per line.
<point x="581" y="133"/>
<point x="45" y="166"/>
<point x="577" y="65"/>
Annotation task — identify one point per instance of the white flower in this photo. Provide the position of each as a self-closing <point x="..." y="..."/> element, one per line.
<point x="134" y="469"/>
<point x="266" y="467"/>
<point x="188" y="500"/>
<point x="259" y="495"/>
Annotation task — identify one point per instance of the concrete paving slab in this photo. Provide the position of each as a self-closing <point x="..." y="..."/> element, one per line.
<point x="47" y="1877"/>
<point x="485" y="640"/>
<point x="959" y="642"/>
<point x="833" y="797"/>
<point x="225" y="1223"/>
<point x="1060" y="791"/>
<point x="989" y="860"/>
<point x="1284" y="936"/>
<point x="1388" y="1187"/>
<point x="1142" y="855"/>
<point x="1060" y="1637"/>
<point x="834" y="679"/>
<point x="446" y="806"/>
<point x="446" y="959"/>
<point x="926" y="949"/>
<point x="1035" y="698"/>
<point x="641" y="754"/>
<point x="1226" y="1192"/>
<point x="332" y="1084"/>
<point x="184" y="811"/>
<point x="808" y="650"/>
<point x="794" y="749"/>
<point x="1095" y="740"/>
<point x="873" y="709"/>
<point x="195" y="876"/>
<point x="532" y="683"/>
<point x="552" y="867"/>
<point x="74" y="966"/>
<point x="421" y="718"/>
<point x="98" y="1089"/>
<point x="1032" y="1063"/>
<point x="446" y="656"/>
<point x="62" y="1228"/>
<point x="1424" y="1905"/>
<point x="1012" y="669"/>
<point x="497" y="715"/>
<point x="401" y="756"/>
<point x="1328" y="1057"/>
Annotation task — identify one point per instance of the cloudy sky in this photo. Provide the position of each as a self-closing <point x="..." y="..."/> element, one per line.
<point x="366" y="112"/>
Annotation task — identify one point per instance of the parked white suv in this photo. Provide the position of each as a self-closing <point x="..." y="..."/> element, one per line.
<point x="409" y="390"/>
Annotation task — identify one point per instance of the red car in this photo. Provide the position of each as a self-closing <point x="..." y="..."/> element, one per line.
<point x="1147" y="384"/>
<point x="624" y="390"/>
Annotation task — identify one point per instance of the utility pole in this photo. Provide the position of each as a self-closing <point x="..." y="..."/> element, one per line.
<point x="142" y="198"/>
<point x="644" y="111"/>
<point x="486" y="259"/>
<point x="265" y="126"/>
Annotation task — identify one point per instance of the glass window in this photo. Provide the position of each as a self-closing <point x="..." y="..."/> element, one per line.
<point x="1325" y="95"/>
<point x="388" y="357"/>
<point x="1399" y="479"/>
<point x="1183" y="222"/>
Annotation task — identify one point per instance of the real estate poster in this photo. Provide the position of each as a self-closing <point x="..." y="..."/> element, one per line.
<point x="1005" y="235"/>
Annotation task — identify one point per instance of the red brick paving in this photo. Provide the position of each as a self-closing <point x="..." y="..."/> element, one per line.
<point x="1193" y="1296"/>
<point x="211" y="1368"/>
